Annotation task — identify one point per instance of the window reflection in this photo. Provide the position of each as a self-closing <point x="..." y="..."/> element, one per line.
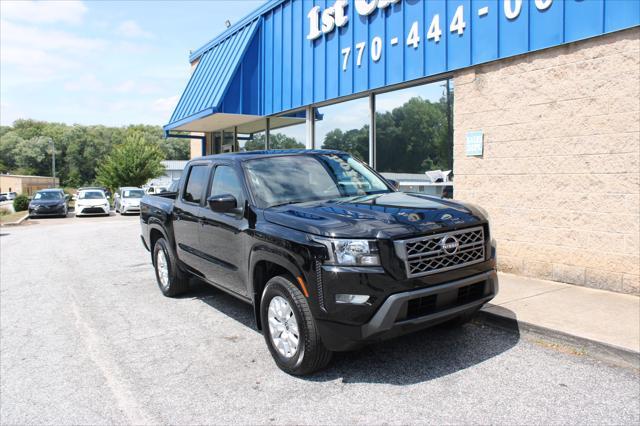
<point x="345" y="127"/>
<point x="414" y="136"/>
<point x="288" y="131"/>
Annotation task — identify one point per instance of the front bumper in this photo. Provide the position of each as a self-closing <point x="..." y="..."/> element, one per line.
<point x="412" y="310"/>
<point x="124" y="209"/>
<point x="47" y="211"/>
<point x="87" y="210"/>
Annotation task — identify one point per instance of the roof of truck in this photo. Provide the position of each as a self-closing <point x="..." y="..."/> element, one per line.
<point x="249" y="155"/>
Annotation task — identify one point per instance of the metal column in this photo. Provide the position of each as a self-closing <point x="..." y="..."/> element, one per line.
<point x="372" y="131"/>
<point x="267" y="136"/>
<point x="310" y="143"/>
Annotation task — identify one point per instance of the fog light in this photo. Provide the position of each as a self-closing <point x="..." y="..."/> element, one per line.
<point x="355" y="299"/>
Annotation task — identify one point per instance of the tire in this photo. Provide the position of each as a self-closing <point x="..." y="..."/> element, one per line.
<point x="175" y="282"/>
<point x="310" y="354"/>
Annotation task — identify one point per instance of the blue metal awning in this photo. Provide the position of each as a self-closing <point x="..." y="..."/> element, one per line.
<point x="218" y="69"/>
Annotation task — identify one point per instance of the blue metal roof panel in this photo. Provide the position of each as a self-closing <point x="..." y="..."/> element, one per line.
<point x="213" y="74"/>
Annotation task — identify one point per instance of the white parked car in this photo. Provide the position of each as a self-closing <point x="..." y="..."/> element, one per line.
<point x="127" y="199"/>
<point x="156" y="189"/>
<point x="92" y="202"/>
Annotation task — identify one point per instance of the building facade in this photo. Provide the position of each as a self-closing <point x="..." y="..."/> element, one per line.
<point x="23" y="184"/>
<point x="534" y="105"/>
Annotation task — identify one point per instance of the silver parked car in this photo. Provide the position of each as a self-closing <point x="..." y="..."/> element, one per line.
<point x="127" y="199"/>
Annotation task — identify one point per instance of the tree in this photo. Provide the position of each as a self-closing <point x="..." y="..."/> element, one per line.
<point x="80" y="149"/>
<point x="354" y="141"/>
<point x="276" y="141"/>
<point x="132" y="163"/>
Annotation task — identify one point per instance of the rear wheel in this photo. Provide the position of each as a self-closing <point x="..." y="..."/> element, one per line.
<point x="290" y="330"/>
<point x="171" y="280"/>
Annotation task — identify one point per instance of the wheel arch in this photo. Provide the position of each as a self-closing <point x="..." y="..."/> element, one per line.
<point x="265" y="265"/>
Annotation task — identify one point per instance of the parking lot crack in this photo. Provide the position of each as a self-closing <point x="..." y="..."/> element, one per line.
<point x="115" y="380"/>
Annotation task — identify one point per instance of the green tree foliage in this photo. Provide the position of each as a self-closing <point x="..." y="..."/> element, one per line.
<point x="355" y="142"/>
<point x="24" y="148"/>
<point x="414" y="138"/>
<point x="21" y="203"/>
<point x="131" y="163"/>
<point x="277" y="141"/>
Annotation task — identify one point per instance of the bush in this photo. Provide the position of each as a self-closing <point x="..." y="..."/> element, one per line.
<point x="21" y="203"/>
<point x="4" y="212"/>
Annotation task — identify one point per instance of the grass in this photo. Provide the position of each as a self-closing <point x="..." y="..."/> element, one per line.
<point x="12" y="217"/>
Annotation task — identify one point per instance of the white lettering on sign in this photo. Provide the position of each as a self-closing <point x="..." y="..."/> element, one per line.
<point x="314" y="23"/>
<point x="512" y="8"/>
<point x="543" y="4"/>
<point x="366" y="8"/>
<point x="341" y="18"/>
<point x="327" y="20"/>
<point x="335" y="16"/>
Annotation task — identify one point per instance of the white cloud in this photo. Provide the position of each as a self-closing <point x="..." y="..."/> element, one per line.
<point x="131" y="29"/>
<point x="85" y="83"/>
<point x="70" y="11"/>
<point x="125" y="87"/>
<point x="165" y="105"/>
<point x="21" y="35"/>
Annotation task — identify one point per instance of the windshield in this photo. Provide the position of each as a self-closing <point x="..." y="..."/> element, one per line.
<point x="133" y="193"/>
<point x="296" y="179"/>
<point x="49" y="195"/>
<point x="91" y="195"/>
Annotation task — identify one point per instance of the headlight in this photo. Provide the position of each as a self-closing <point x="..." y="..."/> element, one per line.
<point x="351" y="252"/>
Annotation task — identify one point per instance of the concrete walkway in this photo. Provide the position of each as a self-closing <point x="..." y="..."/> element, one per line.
<point x="597" y="315"/>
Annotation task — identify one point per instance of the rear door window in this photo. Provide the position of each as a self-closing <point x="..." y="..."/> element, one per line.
<point x="196" y="183"/>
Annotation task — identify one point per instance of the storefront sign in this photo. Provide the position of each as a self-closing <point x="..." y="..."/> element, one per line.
<point x="325" y="21"/>
<point x="475" y="144"/>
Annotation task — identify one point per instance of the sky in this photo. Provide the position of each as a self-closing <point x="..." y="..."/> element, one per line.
<point x="103" y="62"/>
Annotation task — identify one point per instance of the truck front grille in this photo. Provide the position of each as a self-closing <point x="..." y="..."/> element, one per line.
<point x="442" y="252"/>
<point x="427" y="305"/>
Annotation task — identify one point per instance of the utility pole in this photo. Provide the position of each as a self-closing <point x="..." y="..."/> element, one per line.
<point x="53" y="163"/>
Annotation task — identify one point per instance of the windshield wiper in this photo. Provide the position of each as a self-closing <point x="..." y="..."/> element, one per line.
<point x="289" y="202"/>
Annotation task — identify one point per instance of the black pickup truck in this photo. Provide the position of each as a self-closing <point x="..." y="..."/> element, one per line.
<point x="329" y="254"/>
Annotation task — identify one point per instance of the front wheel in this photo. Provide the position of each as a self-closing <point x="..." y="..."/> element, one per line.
<point x="290" y="330"/>
<point x="171" y="280"/>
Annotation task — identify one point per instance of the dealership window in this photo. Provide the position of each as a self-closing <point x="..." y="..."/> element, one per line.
<point x="414" y="135"/>
<point x="252" y="136"/>
<point x="288" y="131"/>
<point x="344" y="126"/>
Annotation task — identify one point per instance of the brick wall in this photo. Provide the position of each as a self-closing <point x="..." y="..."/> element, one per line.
<point x="560" y="171"/>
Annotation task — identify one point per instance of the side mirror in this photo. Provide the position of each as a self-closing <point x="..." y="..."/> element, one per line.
<point x="394" y="183"/>
<point x="225" y="203"/>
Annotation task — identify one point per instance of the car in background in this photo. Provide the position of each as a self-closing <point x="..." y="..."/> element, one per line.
<point x="8" y="196"/>
<point x="101" y="188"/>
<point x="49" y="202"/>
<point x="155" y="190"/>
<point x="127" y="199"/>
<point x="92" y="202"/>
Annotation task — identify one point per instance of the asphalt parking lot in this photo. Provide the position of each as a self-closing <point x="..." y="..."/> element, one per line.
<point x="87" y="338"/>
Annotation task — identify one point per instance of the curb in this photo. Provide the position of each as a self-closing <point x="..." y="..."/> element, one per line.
<point x="612" y="354"/>
<point x="18" y="222"/>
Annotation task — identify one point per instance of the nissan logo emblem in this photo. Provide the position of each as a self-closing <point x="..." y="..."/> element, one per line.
<point x="449" y="244"/>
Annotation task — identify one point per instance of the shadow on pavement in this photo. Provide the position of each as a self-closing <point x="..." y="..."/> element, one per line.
<point x="418" y="357"/>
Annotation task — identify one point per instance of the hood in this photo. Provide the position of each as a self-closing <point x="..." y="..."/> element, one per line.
<point x="46" y="202"/>
<point x="390" y="215"/>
